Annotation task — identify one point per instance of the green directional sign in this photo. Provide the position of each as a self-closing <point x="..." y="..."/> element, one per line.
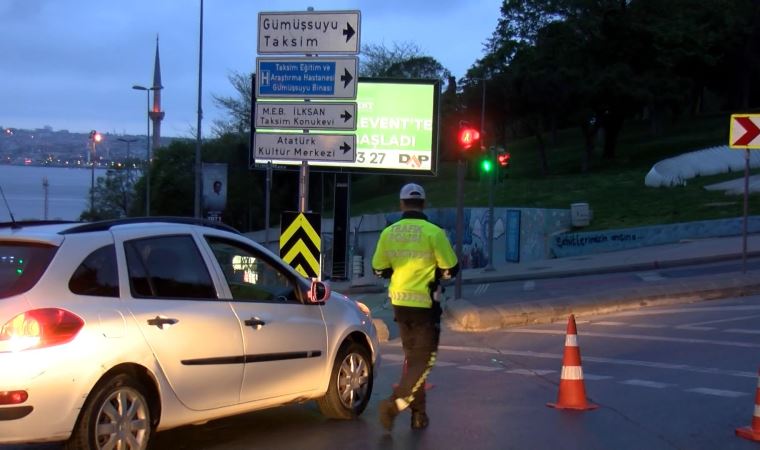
<point x="396" y="129"/>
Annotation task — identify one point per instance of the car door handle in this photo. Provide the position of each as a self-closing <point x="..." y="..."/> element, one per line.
<point x="255" y="323"/>
<point x="161" y="321"/>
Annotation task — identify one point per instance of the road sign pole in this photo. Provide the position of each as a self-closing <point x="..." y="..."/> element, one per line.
<point x="746" y="210"/>
<point x="303" y="187"/>
<point x="268" y="195"/>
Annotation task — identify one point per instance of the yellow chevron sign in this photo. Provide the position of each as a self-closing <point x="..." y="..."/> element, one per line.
<point x="300" y="242"/>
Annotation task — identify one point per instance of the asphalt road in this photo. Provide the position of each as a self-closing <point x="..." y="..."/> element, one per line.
<point x="679" y="377"/>
<point x="664" y="378"/>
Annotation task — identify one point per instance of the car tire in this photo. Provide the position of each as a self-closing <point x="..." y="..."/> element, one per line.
<point x="116" y="411"/>
<point x="350" y="383"/>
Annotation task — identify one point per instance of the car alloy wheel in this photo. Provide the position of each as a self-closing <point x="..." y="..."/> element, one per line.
<point x="350" y="383"/>
<point x="122" y="421"/>
<point x="116" y="415"/>
<point x="352" y="380"/>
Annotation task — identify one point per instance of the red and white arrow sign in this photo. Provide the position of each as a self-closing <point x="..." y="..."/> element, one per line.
<point x="745" y="131"/>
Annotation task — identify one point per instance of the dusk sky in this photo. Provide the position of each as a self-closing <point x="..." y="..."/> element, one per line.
<point x="72" y="64"/>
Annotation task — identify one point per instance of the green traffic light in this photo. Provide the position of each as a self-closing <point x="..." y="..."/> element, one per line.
<point x="486" y="165"/>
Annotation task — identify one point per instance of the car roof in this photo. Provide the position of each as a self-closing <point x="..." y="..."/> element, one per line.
<point x="51" y="228"/>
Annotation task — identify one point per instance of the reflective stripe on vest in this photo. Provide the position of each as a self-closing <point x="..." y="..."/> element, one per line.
<point x="413" y="299"/>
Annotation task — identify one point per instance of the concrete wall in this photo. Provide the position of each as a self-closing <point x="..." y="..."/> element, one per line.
<point x="543" y="234"/>
<point x="582" y="243"/>
<point x="535" y="228"/>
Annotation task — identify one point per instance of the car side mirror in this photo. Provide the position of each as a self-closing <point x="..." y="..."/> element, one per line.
<point x="319" y="291"/>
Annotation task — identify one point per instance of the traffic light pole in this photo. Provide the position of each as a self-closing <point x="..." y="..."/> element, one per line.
<point x="460" y="227"/>
<point x="492" y="158"/>
<point x="489" y="266"/>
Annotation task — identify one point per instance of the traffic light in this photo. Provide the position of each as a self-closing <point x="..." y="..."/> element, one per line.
<point x="486" y="165"/>
<point x="467" y="136"/>
<point x="503" y="159"/>
<point x="95" y="136"/>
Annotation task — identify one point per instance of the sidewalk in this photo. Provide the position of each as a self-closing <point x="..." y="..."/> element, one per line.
<point x="478" y="314"/>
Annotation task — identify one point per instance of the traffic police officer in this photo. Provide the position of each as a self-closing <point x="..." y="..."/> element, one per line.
<point x="415" y="254"/>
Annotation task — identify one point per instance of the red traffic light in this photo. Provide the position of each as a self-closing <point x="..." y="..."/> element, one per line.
<point x="468" y="137"/>
<point x="96" y="136"/>
<point x="503" y="159"/>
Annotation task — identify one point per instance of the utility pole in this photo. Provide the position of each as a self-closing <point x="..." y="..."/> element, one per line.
<point x="45" y="188"/>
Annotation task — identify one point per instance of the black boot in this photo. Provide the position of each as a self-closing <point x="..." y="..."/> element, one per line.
<point x="419" y="420"/>
<point x="387" y="413"/>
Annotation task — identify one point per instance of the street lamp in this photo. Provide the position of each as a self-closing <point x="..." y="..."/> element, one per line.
<point x="147" y="137"/>
<point x="129" y="169"/>
<point x="95" y="138"/>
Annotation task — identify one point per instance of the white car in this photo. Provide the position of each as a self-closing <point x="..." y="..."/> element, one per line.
<point x="110" y="331"/>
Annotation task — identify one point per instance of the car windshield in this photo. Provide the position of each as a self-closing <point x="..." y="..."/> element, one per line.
<point x="21" y="265"/>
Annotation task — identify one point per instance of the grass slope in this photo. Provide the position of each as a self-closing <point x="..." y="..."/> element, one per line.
<point x="615" y="190"/>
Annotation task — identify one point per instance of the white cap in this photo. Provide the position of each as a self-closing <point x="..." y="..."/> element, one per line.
<point x="411" y="190"/>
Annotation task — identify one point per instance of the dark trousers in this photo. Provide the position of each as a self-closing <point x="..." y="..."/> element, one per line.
<point x="419" y="337"/>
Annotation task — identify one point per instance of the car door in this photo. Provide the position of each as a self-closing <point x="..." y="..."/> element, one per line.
<point x="194" y="335"/>
<point x="285" y="339"/>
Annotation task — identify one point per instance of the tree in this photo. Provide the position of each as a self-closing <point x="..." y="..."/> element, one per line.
<point x="238" y="107"/>
<point x="111" y="196"/>
<point x="376" y="59"/>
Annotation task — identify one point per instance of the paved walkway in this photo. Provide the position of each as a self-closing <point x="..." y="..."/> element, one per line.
<point x="480" y="314"/>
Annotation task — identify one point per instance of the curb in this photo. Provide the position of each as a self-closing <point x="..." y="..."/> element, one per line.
<point x="563" y="273"/>
<point x="463" y="315"/>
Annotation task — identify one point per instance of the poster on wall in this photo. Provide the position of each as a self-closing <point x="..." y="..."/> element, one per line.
<point x="512" y="253"/>
<point x="214" y="176"/>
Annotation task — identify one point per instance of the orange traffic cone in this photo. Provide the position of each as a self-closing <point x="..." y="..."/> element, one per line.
<point x="752" y="432"/>
<point x="572" y="392"/>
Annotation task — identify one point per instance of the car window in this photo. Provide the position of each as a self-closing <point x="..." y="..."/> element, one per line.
<point x="97" y="275"/>
<point x="167" y="267"/>
<point x="250" y="275"/>
<point x="22" y="265"/>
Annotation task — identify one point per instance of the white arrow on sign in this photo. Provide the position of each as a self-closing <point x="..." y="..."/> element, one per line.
<point x="302" y="32"/>
<point x="304" y="147"/>
<point x="306" y="116"/>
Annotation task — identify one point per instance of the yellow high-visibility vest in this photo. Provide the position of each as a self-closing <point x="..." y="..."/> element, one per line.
<point x="413" y="248"/>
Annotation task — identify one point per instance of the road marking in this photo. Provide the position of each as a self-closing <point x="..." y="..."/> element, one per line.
<point x="611" y="324"/>
<point x="718" y="392"/>
<point x="480" y="368"/>
<point x="645" y="383"/>
<point x="592" y="377"/>
<point x="626" y="362"/>
<point x="693" y="328"/>
<point x="650" y="276"/>
<point x="733" y="319"/>
<point x="654" y="312"/>
<point x="741" y="330"/>
<point x="529" y="285"/>
<point x="530" y="372"/>
<point x="444" y="364"/>
<point x="645" y="325"/>
<point x="481" y="289"/>
<point x="643" y="338"/>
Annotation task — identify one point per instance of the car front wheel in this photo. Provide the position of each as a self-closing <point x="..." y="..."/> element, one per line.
<point x="116" y="415"/>
<point x="350" y="383"/>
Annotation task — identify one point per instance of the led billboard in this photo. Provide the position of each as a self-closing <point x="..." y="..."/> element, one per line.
<point x="396" y="130"/>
